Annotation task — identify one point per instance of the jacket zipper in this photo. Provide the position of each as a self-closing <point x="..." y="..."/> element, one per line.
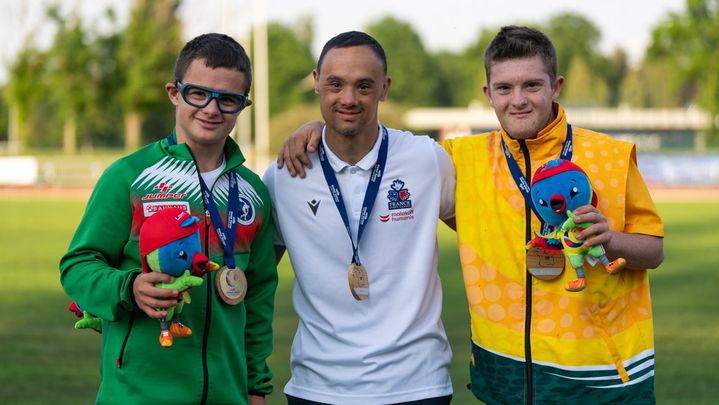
<point x="124" y="341"/>
<point x="208" y="310"/>
<point x="208" y="317"/>
<point x="528" y="306"/>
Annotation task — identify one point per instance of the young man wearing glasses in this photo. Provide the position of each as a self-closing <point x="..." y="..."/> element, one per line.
<point x="227" y="336"/>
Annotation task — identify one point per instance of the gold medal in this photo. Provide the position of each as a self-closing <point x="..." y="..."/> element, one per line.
<point x="231" y="285"/>
<point x="359" y="282"/>
<point x="544" y="265"/>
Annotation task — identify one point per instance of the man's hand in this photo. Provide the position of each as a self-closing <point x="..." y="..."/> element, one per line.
<point x="257" y="400"/>
<point x="598" y="232"/>
<point x="150" y="298"/>
<point x="293" y="153"/>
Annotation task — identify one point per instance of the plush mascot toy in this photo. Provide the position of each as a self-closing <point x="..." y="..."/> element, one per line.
<point x="558" y="188"/>
<point x="170" y="243"/>
<point x="87" y="320"/>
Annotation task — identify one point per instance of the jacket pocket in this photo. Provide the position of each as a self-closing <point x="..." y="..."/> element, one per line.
<point x="121" y="355"/>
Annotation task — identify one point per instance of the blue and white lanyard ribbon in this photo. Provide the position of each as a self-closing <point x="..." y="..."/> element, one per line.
<point x="227" y="234"/>
<point x="370" y="194"/>
<point x="521" y="181"/>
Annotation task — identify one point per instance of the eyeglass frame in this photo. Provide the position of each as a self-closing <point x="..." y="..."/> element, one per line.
<point x="214" y="95"/>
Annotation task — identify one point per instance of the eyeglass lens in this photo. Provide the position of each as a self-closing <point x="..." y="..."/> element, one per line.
<point x="199" y="97"/>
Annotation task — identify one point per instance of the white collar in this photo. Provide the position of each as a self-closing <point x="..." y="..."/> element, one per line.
<point x="366" y="163"/>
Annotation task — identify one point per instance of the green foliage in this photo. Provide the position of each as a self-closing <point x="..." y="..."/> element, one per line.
<point x="587" y="71"/>
<point x="101" y="78"/>
<point x="582" y="89"/>
<point x="149" y="47"/>
<point x="4" y="117"/>
<point x="615" y="70"/>
<point x="650" y="86"/>
<point x="25" y="88"/>
<point x="415" y="74"/>
<point x="573" y="36"/>
<point x="286" y="122"/>
<point x="290" y="66"/>
<point x="689" y="43"/>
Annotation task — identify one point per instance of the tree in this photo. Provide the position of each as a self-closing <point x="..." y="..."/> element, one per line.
<point x="649" y="86"/>
<point x="689" y="43"/>
<point x="103" y="116"/>
<point x="616" y="70"/>
<point x="462" y="74"/>
<point x="147" y="54"/>
<point x="417" y="80"/>
<point x="574" y="36"/>
<point x="290" y="65"/>
<point x="584" y="89"/>
<point x="70" y="82"/>
<point x="23" y="91"/>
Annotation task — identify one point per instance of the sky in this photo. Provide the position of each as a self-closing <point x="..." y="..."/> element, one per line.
<point x="442" y="25"/>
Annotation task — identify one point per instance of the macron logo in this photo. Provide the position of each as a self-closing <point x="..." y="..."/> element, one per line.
<point x="314" y="205"/>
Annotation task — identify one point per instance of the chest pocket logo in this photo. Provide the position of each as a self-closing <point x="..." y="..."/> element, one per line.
<point x="247" y="211"/>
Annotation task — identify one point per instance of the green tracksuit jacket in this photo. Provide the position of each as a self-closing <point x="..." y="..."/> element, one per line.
<point x="225" y="358"/>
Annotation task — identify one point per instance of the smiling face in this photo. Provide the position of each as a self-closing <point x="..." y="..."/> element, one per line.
<point x="203" y="128"/>
<point x="522" y="95"/>
<point x="351" y="82"/>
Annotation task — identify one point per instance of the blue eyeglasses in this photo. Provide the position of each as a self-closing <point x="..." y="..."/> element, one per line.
<point x="200" y="97"/>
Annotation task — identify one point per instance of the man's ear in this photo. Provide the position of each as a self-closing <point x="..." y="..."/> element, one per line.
<point x="316" y="77"/>
<point x="385" y="88"/>
<point x="173" y="93"/>
<point x="487" y="95"/>
<point x="557" y="87"/>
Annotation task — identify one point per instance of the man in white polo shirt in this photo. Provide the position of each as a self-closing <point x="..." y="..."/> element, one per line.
<point x="361" y="234"/>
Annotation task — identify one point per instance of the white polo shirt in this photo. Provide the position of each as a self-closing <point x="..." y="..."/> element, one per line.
<point x="392" y="347"/>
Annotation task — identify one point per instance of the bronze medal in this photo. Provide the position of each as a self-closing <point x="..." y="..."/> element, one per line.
<point x="231" y="285"/>
<point x="359" y="282"/>
<point x="544" y="265"/>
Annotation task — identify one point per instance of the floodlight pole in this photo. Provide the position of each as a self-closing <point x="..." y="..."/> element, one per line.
<point x="261" y="104"/>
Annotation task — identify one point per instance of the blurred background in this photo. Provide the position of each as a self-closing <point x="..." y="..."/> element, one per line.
<point x="81" y="84"/>
<point x="85" y="77"/>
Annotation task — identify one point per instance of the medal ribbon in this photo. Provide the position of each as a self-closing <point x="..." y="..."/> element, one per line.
<point x="521" y="180"/>
<point x="226" y="234"/>
<point x="370" y="194"/>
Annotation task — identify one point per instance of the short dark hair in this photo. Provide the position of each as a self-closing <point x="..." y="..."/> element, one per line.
<point x="353" y="38"/>
<point x="513" y="42"/>
<point x="217" y="50"/>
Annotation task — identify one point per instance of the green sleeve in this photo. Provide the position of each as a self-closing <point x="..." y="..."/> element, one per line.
<point x="260" y="301"/>
<point x="96" y="271"/>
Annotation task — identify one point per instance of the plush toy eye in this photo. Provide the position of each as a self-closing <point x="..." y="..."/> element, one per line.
<point x="573" y="192"/>
<point x="182" y="255"/>
<point x="543" y="203"/>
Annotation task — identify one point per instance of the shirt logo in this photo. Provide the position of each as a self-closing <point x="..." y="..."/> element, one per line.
<point x="398" y="196"/>
<point x="163" y="193"/>
<point x="163" y="187"/>
<point x="247" y="211"/>
<point x="151" y="207"/>
<point x="314" y="205"/>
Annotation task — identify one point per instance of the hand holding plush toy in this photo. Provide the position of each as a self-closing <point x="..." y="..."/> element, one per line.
<point x="558" y="188"/>
<point x="170" y="243"/>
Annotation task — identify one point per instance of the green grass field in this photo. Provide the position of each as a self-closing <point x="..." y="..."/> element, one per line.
<point x="44" y="360"/>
